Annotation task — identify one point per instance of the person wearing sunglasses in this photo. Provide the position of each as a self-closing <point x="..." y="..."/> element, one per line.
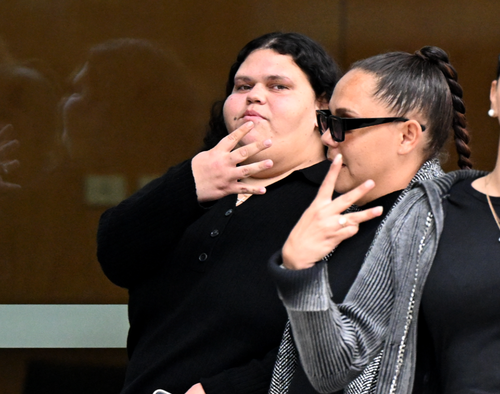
<point x="388" y="120"/>
<point x="204" y="316"/>
<point x="338" y="126"/>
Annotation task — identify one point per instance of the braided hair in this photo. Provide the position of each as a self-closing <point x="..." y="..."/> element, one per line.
<point x="426" y="82"/>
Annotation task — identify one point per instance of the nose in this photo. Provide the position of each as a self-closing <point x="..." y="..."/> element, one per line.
<point x="256" y="95"/>
<point x="327" y="140"/>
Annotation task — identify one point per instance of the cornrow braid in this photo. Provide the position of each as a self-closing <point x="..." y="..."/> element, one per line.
<point x="461" y="135"/>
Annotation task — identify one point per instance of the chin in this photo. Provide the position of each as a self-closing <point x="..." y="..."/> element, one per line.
<point x="342" y="185"/>
<point x="266" y="174"/>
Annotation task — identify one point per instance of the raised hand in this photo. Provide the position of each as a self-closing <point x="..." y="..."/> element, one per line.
<point x="7" y="146"/>
<point x="322" y="226"/>
<point x="217" y="171"/>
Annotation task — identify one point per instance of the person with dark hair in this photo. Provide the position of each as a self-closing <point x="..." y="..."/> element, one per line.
<point x="30" y="124"/>
<point x="37" y="186"/>
<point x="390" y="117"/>
<point x="192" y="246"/>
<point x="122" y="101"/>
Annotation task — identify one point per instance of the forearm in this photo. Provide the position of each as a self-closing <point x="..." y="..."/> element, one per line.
<point x="335" y="342"/>
<point x="144" y="227"/>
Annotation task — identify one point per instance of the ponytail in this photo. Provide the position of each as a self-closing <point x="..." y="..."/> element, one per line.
<point x="461" y="135"/>
<point x="424" y="82"/>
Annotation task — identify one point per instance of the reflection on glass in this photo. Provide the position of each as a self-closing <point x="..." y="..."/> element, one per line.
<point x="65" y="158"/>
<point x="121" y="115"/>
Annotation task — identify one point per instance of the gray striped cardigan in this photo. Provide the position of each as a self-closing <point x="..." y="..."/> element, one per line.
<point x="378" y="318"/>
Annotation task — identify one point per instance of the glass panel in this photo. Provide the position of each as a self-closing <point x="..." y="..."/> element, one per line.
<point x="97" y="98"/>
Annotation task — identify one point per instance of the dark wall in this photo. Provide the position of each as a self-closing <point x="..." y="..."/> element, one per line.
<point x="47" y="231"/>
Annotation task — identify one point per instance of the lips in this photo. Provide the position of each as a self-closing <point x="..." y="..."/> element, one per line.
<point x="252" y="114"/>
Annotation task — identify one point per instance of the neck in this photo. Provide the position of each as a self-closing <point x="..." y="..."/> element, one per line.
<point x="263" y="180"/>
<point x="494" y="178"/>
<point x="393" y="180"/>
<point x="489" y="184"/>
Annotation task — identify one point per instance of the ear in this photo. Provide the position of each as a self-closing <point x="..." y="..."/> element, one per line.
<point x="321" y="102"/>
<point x="410" y="136"/>
<point x="493" y="97"/>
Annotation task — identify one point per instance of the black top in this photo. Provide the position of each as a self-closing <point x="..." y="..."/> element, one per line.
<point x="202" y="306"/>
<point x="343" y="267"/>
<point x="461" y="299"/>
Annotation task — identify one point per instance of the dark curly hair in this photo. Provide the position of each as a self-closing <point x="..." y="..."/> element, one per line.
<point x="321" y="70"/>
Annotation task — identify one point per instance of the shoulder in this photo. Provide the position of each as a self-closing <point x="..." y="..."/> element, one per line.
<point x="444" y="183"/>
<point x="315" y="173"/>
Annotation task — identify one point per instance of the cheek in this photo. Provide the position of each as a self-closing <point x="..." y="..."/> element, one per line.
<point x="296" y="110"/>
<point x="230" y="112"/>
<point x="356" y="155"/>
<point x="293" y="117"/>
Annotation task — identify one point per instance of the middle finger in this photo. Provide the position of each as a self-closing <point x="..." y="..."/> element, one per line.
<point x="244" y="152"/>
<point x="355" y="218"/>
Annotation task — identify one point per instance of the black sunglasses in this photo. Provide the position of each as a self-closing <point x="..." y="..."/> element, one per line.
<point x="338" y="126"/>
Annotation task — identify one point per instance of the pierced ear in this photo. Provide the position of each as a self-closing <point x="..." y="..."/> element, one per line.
<point x="411" y="133"/>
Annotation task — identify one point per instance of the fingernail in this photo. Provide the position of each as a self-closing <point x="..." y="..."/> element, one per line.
<point x="249" y="123"/>
<point x="378" y="210"/>
<point x="269" y="163"/>
<point x="262" y="190"/>
<point x="369" y="183"/>
<point x="268" y="143"/>
<point x="337" y="158"/>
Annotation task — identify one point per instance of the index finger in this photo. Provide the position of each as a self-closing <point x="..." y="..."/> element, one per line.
<point x="345" y="200"/>
<point x="231" y="140"/>
<point x="325" y="191"/>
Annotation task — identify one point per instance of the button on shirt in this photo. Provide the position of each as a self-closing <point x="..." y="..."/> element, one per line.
<point x="218" y="321"/>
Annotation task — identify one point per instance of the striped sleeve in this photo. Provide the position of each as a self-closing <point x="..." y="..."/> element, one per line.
<point x="337" y="342"/>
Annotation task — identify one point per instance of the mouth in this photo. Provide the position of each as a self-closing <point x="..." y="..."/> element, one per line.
<point x="252" y="115"/>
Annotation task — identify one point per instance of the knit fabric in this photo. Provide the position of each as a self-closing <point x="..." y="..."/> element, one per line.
<point x="202" y="308"/>
<point x="337" y="342"/>
<point x="287" y="355"/>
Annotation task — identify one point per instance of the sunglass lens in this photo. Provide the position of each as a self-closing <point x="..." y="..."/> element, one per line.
<point x="336" y="129"/>
<point x="322" y="123"/>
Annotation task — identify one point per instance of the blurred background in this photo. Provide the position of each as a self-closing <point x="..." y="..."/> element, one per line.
<point x="104" y="95"/>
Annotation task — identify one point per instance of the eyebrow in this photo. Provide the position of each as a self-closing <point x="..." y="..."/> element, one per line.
<point x="345" y="113"/>
<point x="271" y="78"/>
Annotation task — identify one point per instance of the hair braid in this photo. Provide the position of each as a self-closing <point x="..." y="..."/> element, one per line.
<point x="461" y="134"/>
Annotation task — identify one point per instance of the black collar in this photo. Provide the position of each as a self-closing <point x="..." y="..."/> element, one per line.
<point x="315" y="173"/>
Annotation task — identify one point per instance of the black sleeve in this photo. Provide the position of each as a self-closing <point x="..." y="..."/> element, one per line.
<point x="136" y="236"/>
<point x="251" y="378"/>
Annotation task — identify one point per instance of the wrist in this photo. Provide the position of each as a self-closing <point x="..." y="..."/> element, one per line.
<point x="288" y="258"/>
